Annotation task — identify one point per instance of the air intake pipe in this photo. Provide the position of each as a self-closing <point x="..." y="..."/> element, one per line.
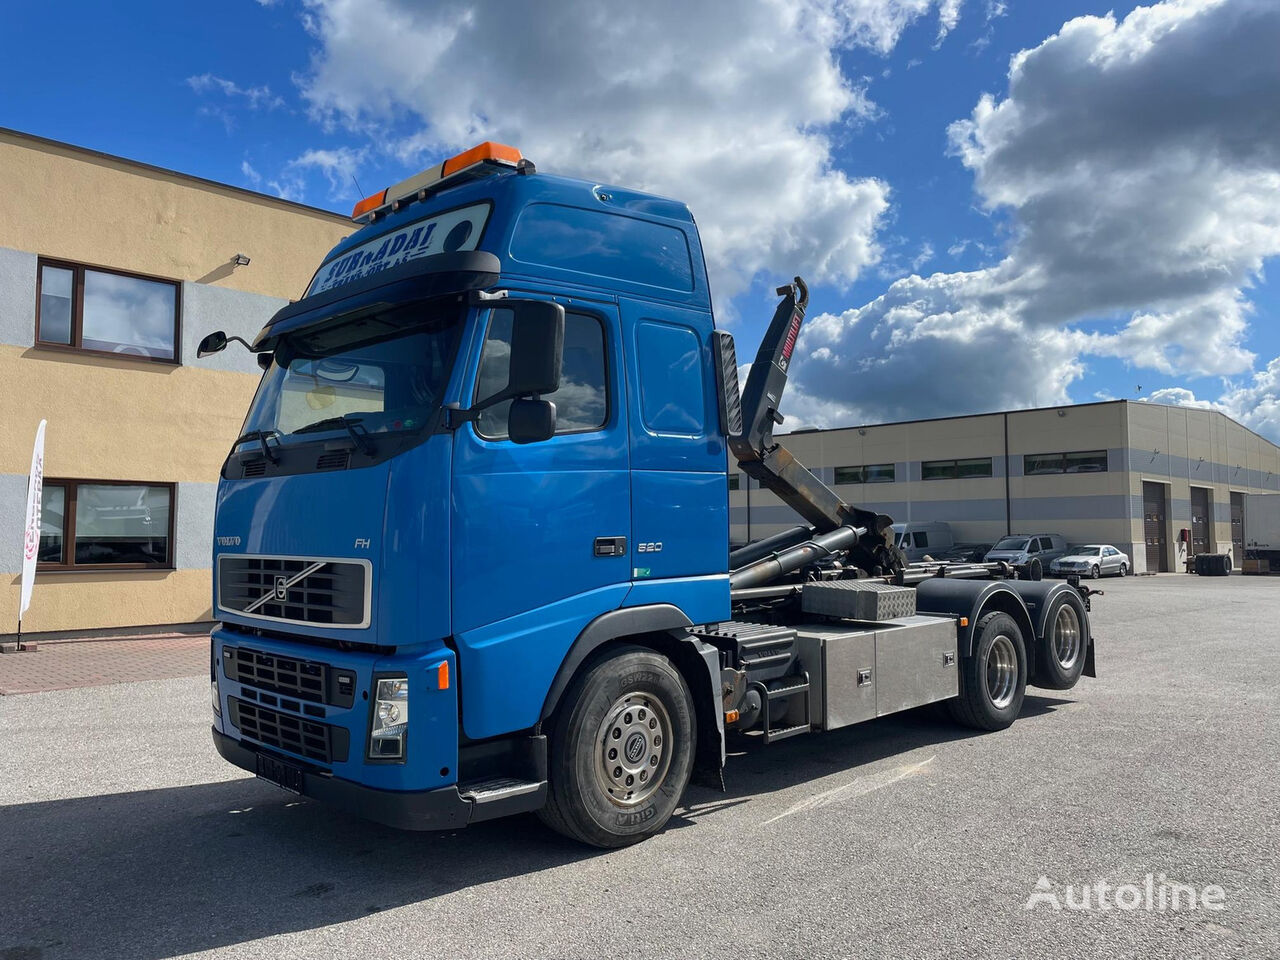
<point x="769" y="569"/>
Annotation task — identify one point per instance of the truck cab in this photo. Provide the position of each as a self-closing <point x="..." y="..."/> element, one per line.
<point x="471" y="548"/>
<point x="371" y="541"/>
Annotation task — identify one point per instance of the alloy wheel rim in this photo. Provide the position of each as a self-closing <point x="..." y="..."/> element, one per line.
<point x="1066" y="637"/>
<point x="1002" y="672"/>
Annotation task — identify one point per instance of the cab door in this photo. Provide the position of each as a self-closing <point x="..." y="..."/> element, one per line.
<point x="541" y="532"/>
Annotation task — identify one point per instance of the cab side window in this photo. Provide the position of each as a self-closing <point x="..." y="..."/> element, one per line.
<point x="582" y="401"/>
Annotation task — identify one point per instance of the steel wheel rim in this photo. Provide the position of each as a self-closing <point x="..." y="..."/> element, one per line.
<point x="1066" y="636"/>
<point x="1002" y="672"/>
<point x="633" y="748"/>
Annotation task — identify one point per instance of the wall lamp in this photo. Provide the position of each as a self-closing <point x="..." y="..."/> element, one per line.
<point x="240" y="260"/>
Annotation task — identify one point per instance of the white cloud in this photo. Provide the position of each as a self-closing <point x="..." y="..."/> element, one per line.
<point x="1129" y="159"/>
<point x="1254" y="402"/>
<point x="256" y="98"/>
<point x="339" y="167"/>
<point x="732" y="112"/>
<point x="249" y="173"/>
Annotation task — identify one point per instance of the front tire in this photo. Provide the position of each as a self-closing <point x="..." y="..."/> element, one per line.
<point x="1096" y="572"/>
<point x="993" y="680"/>
<point x="621" y="750"/>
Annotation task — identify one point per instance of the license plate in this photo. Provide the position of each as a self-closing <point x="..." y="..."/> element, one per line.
<point x="282" y="774"/>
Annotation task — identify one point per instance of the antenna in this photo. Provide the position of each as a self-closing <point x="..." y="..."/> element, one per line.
<point x="359" y="192"/>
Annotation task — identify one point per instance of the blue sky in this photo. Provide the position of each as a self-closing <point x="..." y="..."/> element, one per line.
<point x="304" y="99"/>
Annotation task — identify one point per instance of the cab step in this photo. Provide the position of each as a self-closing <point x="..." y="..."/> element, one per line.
<point x="777" y="696"/>
<point x="500" y="796"/>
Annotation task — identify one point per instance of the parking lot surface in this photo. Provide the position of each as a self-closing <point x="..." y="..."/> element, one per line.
<point x="124" y="835"/>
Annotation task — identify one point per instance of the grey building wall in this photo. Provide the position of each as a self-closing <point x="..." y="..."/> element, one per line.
<point x="17" y="297"/>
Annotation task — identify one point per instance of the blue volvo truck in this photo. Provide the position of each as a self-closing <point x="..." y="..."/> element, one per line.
<point x="471" y="552"/>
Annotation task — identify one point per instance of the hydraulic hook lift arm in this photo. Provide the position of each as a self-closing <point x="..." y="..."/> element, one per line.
<point x="772" y="465"/>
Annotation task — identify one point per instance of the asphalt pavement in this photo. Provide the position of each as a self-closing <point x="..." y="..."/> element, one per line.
<point x="124" y="835"/>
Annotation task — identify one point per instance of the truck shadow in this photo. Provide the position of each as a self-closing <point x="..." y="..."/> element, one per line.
<point x="158" y="873"/>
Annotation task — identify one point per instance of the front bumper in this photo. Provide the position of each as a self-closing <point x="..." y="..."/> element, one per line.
<point x="440" y="809"/>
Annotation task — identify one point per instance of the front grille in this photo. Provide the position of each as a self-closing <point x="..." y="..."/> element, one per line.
<point x="284" y="732"/>
<point x="304" y="679"/>
<point x="295" y="589"/>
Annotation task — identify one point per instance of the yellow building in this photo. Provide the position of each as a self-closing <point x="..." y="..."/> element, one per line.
<point x="1129" y="474"/>
<point x="110" y="273"/>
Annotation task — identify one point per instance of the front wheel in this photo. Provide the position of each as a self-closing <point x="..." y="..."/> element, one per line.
<point x="621" y="750"/>
<point x="993" y="680"/>
<point x="1096" y="572"/>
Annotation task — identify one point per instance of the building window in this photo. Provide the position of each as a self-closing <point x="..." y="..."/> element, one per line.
<point x="871" y="473"/>
<point x="582" y="400"/>
<point x="1083" y="461"/>
<point x="734" y="482"/>
<point x="105" y="311"/>
<point x="956" y="469"/>
<point x="96" y="524"/>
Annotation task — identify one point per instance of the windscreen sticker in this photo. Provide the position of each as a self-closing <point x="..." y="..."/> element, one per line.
<point x="449" y="232"/>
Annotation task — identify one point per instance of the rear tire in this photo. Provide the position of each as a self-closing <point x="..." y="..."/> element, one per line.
<point x="1124" y="569"/>
<point x="621" y="750"/>
<point x="1061" y="652"/>
<point x="994" y="680"/>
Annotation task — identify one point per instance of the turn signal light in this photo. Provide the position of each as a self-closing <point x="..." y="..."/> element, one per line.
<point x="442" y="675"/>
<point x="964" y="621"/>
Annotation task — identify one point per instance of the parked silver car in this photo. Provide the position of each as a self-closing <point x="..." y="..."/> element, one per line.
<point x="1092" y="560"/>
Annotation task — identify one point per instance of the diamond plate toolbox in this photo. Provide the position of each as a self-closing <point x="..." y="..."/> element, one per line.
<point x="858" y="600"/>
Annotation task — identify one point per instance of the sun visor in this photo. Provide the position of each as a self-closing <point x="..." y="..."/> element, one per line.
<point x="434" y="276"/>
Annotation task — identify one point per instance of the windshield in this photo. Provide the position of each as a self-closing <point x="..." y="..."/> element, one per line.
<point x="1011" y="543"/>
<point x="378" y="374"/>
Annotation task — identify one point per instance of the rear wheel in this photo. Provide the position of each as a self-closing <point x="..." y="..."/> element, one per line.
<point x="993" y="680"/>
<point x="1124" y="569"/>
<point x="621" y="750"/>
<point x="1062" y="649"/>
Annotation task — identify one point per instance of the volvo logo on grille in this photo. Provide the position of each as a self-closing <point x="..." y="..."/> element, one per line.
<point x="635" y="747"/>
<point x="282" y="588"/>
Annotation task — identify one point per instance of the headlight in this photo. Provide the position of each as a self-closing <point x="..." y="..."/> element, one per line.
<point x="390" y="719"/>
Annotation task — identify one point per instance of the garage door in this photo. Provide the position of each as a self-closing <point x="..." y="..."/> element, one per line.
<point x="1200" y="520"/>
<point x="1153" y="525"/>
<point x="1237" y="528"/>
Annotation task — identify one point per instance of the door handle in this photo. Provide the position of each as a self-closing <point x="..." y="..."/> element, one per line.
<point x="610" y="547"/>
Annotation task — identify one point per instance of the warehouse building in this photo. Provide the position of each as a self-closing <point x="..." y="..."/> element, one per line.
<point x="110" y="273"/>
<point x="1155" y="481"/>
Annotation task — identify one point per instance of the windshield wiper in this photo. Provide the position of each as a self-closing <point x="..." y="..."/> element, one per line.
<point x="360" y="438"/>
<point x="261" y="436"/>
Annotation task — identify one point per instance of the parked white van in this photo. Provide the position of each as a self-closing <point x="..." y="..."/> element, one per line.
<point x="921" y="539"/>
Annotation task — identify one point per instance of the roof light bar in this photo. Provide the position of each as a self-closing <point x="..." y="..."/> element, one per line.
<point x="479" y="161"/>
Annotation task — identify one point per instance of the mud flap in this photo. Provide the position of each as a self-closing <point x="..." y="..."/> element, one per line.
<point x="1089" y="670"/>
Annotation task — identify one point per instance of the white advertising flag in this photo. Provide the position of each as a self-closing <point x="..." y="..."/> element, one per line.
<point x="31" y="534"/>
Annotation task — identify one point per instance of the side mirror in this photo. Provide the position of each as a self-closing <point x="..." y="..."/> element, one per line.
<point x="215" y="342"/>
<point x="264" y="360"/>
<point x="537" y="348"/>
<point x="531" y="421"/>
